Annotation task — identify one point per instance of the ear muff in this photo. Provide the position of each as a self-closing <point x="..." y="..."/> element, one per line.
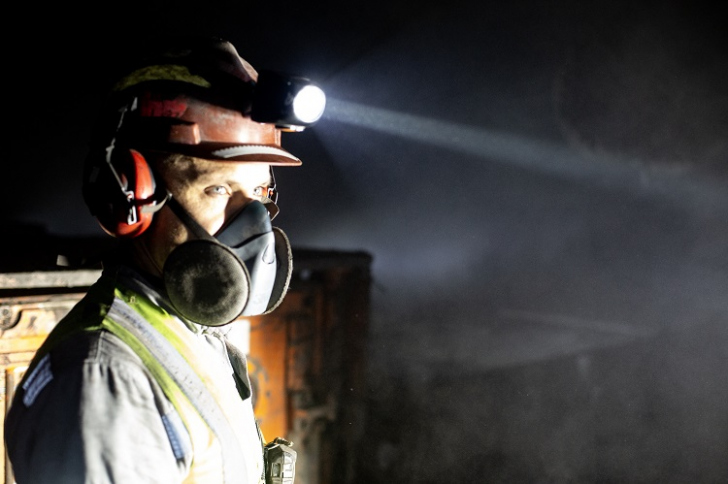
<point x="122" y="195"/>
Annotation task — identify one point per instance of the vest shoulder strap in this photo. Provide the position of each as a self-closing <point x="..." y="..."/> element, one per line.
<point x="175" y="375"/>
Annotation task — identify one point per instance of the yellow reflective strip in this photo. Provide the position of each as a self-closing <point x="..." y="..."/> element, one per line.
<point x="206" y="465"/>
<point x="169" y="387"/>
<point x="161" y="73"/>
<point x="208" y="366"/>
<point x="187" y="344"/>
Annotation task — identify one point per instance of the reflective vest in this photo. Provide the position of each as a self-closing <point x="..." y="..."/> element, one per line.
<point x="225" y="442"/>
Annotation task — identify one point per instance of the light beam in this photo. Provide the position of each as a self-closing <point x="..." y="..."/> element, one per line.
<point x="549" y="157"/>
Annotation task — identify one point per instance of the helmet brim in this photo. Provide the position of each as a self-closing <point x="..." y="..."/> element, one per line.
<point x="248" y="153"/>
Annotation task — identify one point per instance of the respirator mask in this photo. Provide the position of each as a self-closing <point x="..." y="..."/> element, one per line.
<point x="243" y="270"/>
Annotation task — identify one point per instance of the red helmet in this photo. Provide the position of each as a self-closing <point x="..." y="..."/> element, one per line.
<point x="194" y="98"/>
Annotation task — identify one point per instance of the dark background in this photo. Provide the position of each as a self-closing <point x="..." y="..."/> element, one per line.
<point x="543" y="187"/>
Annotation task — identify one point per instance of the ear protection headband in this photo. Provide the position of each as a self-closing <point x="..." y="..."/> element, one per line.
<point x="120" y="188"/>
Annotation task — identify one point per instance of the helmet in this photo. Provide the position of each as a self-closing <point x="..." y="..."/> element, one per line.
<point x="194" y="97"/>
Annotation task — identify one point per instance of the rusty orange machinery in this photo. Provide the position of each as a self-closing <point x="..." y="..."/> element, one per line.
<point x="306" y="359"/>
<point x="31" y="303"/>
<point x="307" y="362"/>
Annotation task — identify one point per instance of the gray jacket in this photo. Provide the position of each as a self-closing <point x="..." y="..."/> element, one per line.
<point x="92" y="413"/>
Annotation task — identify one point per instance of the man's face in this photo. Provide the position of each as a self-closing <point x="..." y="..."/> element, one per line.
<point x="211" y="191"/>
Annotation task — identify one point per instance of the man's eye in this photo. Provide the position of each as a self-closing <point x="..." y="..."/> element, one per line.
<point x="218" y="190"/>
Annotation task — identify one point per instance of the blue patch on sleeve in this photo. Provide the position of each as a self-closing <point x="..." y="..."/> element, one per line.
<point x="178" y="435"/>
<point x="38" y="379"/>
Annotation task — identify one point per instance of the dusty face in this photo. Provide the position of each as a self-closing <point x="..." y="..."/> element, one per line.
<point x="211" y="191"/>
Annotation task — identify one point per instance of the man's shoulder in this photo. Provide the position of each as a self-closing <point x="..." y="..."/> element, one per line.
<point x="80" y="336"/>
<point x="91" y="391"/>
<point x="97" y="346"/>
<point x="79" y="346"/>
<point x="82" y="352"/>
<point x="83" y="336"/>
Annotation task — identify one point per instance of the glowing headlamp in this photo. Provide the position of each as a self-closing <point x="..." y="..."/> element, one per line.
<point x="291" y="103"/>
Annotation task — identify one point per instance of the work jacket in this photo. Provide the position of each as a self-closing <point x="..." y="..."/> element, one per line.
<point x="124" y="391"/>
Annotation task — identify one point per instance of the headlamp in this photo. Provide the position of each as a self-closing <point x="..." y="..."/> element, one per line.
<point x="291" y="103"/>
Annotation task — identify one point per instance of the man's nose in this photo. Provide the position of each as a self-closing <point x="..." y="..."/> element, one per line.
<point x="237" y="202"/>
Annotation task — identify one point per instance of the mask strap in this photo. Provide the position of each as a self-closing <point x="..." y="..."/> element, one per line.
<point x="271" y="206"/>
<point x="271" y="203"/>
<point x="188" y="221"/>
